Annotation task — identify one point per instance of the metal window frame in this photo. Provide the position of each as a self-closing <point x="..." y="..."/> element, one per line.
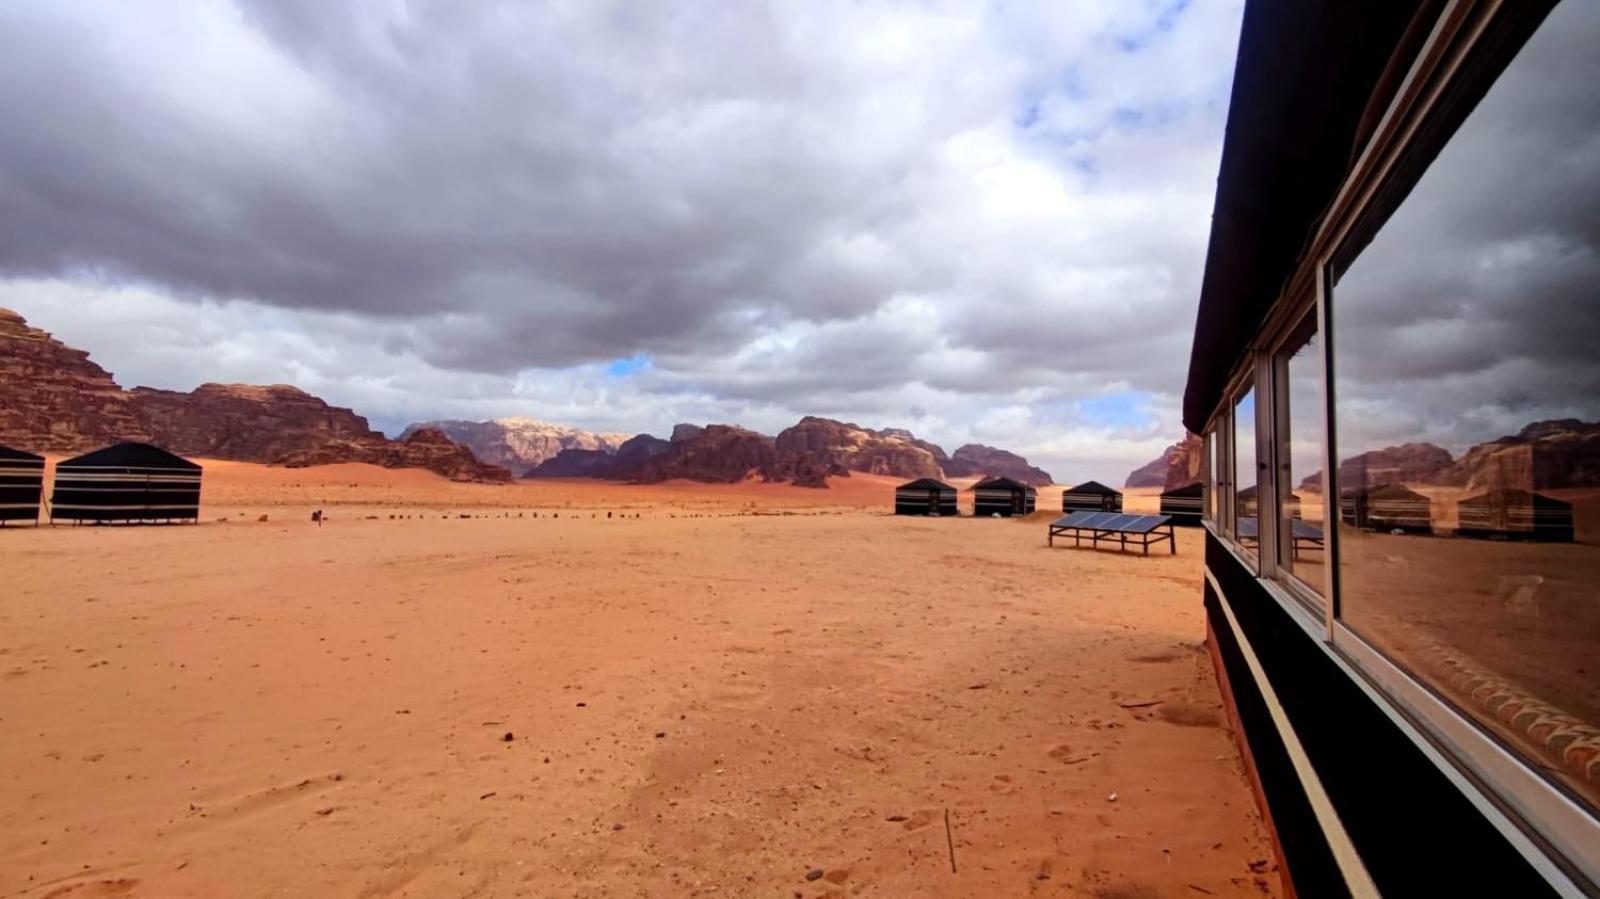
<point x="1559" y="837"/>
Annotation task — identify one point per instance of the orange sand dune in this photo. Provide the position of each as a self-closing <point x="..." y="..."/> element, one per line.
<point x="706" y="699"/>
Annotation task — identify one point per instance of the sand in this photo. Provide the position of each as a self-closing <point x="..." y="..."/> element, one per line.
<point x="741" y="686"/>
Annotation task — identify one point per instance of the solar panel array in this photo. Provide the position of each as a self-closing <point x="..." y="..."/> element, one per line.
<point x="1250" y="527"/>
<point x="1113" y="521"/>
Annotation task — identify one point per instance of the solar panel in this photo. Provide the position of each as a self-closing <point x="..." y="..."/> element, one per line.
<point x="1250" y="527"/>
<point x="1113" y="521"/>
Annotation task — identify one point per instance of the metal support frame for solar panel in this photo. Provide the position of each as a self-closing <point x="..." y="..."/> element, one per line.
<point x="1144" y="530"/>
<point x="1306" y="535"/>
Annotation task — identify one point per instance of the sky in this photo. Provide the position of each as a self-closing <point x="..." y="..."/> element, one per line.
<point x="982" y="222"/>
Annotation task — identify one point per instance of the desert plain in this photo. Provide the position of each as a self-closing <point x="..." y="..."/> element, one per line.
<point x="575" y="688"/>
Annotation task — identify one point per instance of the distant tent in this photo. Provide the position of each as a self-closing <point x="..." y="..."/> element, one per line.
<point x="925" y="496"/>
<point x="1516" y="514"/>
<point x="127" y="482"/>
<point x="21" y="483"/>
<point x="1387" y="507"/>
<point x="1185" y="504"/>
<point x="1002" y="496"/>
<point x="1248" y="506"/>
<point x="1091" y="496"/>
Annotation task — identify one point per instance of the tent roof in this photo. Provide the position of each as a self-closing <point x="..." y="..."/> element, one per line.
<point x="1305" y="75"/>
<point x="1094" y="487"/>
<point x="1003" y="484"/>
<point x="1195" y="489"/>
<point x="7" y="452"/>
<point x="131" y="455"/>
<point x="1514" y="497"/>
<point x="1385" y="491"/>
<point x="925" y="484"/>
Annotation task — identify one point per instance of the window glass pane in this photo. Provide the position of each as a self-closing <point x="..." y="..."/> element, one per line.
<point x="1301" y="525"/>
<point x="1467" y="388"/>
<point x="1246" y="526"/>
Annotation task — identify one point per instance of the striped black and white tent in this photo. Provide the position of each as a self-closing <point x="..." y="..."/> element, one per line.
<point x="21" y="483"/>
<point x="1091" y="496"/>
<point x="925" y="496"/>
<point x="1516" y="514"/>
<point x="1185" y="504"/>
<point x="1002" y="496"/>
<point x="126" y="482"/>
<point x="1387" y="507"/>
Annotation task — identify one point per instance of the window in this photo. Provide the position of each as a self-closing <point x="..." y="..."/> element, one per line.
<point x="1467" y="413"/>
<point x="1246" y="526"/>
<point x="1297" y="372"/>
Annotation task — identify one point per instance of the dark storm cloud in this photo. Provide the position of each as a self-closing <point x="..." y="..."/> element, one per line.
<point x="1474" y="310"/>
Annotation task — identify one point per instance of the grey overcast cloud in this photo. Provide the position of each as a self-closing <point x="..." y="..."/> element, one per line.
<point x="982" y="222"/>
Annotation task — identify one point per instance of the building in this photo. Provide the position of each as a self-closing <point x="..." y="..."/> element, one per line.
<point x="1184" y="504"/>
<point x="1387" y="507"/>
<point x="1515" y="515"/>
<point x="21" y="484"/>
<point x="1091" y="496"/>
<point x="129" y="482"/>
<point x="925" y="496"/>
<point x="1002" y="496"/>
<point x="1401" y="252"/>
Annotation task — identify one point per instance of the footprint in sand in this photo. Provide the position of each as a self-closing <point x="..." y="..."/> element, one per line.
<point x="1188" y="715"/>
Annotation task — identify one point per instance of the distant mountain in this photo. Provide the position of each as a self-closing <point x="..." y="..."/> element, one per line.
<point x="54" y="400"/>
<point x="1179" y="465"/>
<point x="844" y="446"/>
<point x="718" y="454"/>
<point x="1409" y="463"/>
<point x="977" y="460"/>
<point x="520" y="444"/>
<point x="620" y="465"/>
<point x="1544" y="455"/>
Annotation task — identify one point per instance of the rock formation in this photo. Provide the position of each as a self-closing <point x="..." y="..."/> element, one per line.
<point x="718" y="454"/>
<point x="520" y="444"/>
<point x="54" y="400"/>
<point x="836" y="445"/>
<point x="1410" y="463"/>
<point x="1180" y="465"/>
<point x="246" y="422"/>
<point x="684" y="431"/>
<point x="620" y="465"/>
<point x="1544" y="455"/>
<point x="423" y="448"/>
<point x="977" y="460"/>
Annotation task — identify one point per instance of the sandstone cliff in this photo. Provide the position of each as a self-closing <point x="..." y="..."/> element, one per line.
<point x="977" y="460"/>
<point x="1544" y="455"/>
<point x="53" y="399"/>
<point x="1409" y="463"/>
<point x="423" y="448"/>
<point x="520" y="444"/>
<point x="718" y="454"/>
<point x="1180" y="465"/>
<point x="836" y="445"/>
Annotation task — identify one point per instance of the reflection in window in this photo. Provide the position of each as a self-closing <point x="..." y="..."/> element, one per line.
<point x="1300" y="525"/>
<point x="1210" y="474"/>
<point x="1467" y="391"/>
<point x="1245" y="503"/>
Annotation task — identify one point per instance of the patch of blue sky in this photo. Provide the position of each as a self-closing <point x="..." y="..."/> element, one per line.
<point x="1127" y="409"/>
<point x="1165" y="19"/>
<point x="628" y="366"/>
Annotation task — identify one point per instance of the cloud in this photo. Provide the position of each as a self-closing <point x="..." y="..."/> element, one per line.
<point x="1472" y="313"/>
<point x="426" y="209"/>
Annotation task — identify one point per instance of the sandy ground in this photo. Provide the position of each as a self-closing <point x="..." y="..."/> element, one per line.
<point x="713" y="691"/>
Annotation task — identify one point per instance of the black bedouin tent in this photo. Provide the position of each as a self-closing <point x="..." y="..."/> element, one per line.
<point x="21" y="484"/>
<point x="1387" y="507"/>
<point x="1091" y="496"/>
<point x="1515" y="514"/>
<point x="1185" y="504"/>
<point x="126" y="482"/>
<point x="1002" y="496"/>
<point x="925" y="496"/>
